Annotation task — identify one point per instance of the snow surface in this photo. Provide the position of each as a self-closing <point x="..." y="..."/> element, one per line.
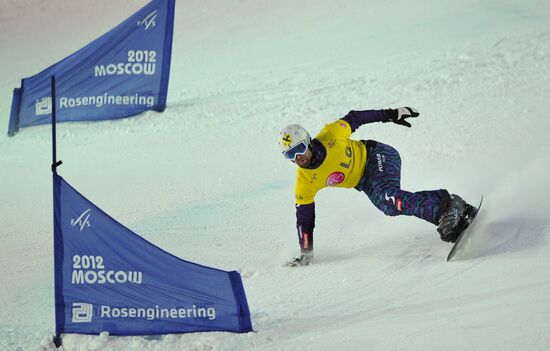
<point x="205" y="179"/>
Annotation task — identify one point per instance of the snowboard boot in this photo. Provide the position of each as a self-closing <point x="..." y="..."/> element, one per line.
<point x="454" y="218"/>
<point x="304" y="259"/>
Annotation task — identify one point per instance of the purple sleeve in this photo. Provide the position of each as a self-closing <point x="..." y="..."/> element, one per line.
<point x="358" y="118"/>
<point x="305" y="217"/>
<point x="305" y="222"/>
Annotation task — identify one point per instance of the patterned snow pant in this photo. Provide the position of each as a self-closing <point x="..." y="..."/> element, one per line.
<point x="382" y="184"/>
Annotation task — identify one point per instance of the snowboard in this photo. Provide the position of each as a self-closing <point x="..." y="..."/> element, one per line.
<point x="461" y="240"/>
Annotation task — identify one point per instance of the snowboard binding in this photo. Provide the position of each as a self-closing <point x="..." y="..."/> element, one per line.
<point x="455" y="218"/>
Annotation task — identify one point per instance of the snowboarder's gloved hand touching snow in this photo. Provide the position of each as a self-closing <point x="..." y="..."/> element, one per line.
<point x="399" y="115"/>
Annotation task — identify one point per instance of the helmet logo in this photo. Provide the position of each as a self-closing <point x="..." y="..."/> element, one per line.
<point x="286" y="140"/>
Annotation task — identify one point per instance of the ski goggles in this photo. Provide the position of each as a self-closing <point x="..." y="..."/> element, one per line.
<point x="298" y="149"/>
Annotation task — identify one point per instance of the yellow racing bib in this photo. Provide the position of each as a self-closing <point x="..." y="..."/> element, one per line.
<point x="343" y="166"/>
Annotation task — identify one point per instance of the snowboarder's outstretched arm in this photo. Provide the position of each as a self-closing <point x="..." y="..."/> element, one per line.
<point x="398" y="116"/>
<point x="305" y="222"/>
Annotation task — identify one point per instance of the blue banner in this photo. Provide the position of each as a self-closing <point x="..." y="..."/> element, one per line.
<point x="123" y="73"/>
<point x="108" y="278"/>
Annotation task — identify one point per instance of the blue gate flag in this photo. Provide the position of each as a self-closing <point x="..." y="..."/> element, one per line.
<point x="123" y="73"/>
<point x="108" y="278"/>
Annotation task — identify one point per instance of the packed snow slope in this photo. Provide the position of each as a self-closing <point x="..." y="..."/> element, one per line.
<point x="205" y="179"/>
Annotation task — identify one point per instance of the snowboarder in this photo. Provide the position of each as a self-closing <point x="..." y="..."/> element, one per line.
<point x="332" y="159"/>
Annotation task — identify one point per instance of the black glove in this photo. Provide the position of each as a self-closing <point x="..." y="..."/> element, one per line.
<point x="398" y="115"/>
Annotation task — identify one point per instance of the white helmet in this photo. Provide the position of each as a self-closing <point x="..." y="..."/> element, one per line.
<point x="294" y="140"/>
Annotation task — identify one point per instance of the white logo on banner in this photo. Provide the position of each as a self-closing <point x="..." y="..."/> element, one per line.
<point x="43" y="106"/>
<point x="138" y="62"/>
<point x="83" y="220"/>
<point x="82" y="312"/>
<point x="149" y="21"/>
